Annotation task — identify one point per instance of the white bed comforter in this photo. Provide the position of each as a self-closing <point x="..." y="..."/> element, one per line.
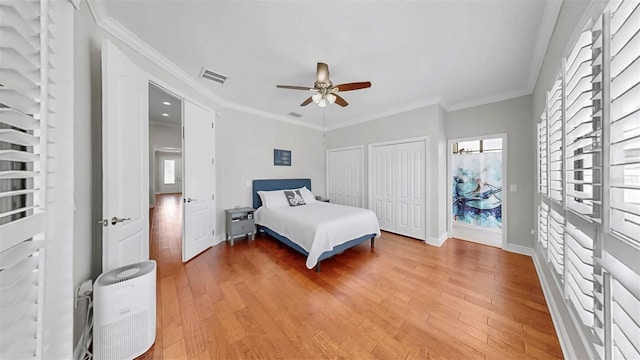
<point x="318" y="227"/>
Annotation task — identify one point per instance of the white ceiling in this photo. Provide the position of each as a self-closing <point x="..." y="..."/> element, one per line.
<point x="457" y="53"/>
<point x="159" y="112"/>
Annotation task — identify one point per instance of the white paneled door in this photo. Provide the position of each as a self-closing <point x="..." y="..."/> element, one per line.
<point x="397" y="187"/>
<point x="125" y="160"/>
<point x="345" y="176"/>
<point x="383" y="184"/>
<point x="199" y="181"/>
<point x="410" y="189"/>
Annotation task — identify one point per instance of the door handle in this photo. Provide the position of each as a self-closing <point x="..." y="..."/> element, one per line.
<point x="188" y="200"/>
<point x="103" y="222"/>
<point x="115" y="220"/>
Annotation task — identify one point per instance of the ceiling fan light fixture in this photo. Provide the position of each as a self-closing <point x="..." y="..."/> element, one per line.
<point x="316" y="98"/>
<point x="331" y="98"/>
<point x="322" y="103"/>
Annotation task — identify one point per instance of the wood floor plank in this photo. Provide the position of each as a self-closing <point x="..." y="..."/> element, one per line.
<point x="403" y="299"/>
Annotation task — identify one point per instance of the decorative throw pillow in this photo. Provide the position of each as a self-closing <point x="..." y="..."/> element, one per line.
<point x="294" y="197"/>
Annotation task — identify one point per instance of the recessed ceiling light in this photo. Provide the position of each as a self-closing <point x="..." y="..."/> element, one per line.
<point x="166" y="103"/>
<point x="165" y="114"/>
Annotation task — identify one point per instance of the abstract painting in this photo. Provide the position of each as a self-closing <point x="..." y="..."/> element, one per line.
<point x="477" y="189"/>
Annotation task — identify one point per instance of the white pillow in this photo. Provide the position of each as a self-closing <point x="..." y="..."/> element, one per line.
<point x="272" y="199"/>
<point x="307" y="195"/>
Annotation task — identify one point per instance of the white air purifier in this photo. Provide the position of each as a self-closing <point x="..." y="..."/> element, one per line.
<point x="124" y="321"/>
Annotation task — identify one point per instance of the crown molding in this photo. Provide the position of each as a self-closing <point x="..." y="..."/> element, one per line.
<point x="545" y="31"/>
<point x="125" y="35"/>
<point x="488" y="100"/>
<point x="394" y="111"/>
<point x="120" y="32"/>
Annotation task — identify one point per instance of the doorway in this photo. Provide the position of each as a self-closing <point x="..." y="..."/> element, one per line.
<point x="477" y="202"/>
<point x="165" y="143"/>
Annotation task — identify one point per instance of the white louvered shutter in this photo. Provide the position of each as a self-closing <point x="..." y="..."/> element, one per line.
<point x="625" y="121"/>
<point x="583" y="140"/>
<point x="556" y="242"/>
<point x="555" y="140"/>
<point x="35" y="304"/>
<point x="579" y="272"/>
<point x="543" y="227"/>
<point x="618" y="318"/>
<point x="543" y="179"/>
<point x="21" y="180"/>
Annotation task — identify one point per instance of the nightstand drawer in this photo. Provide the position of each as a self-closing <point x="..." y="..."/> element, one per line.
<point x="241" y="227"/>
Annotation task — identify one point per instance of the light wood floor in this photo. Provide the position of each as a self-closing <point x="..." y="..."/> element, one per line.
<point x="404" y="300"/>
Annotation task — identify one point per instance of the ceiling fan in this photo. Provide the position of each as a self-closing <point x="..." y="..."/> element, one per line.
<point x="325" y="91"/>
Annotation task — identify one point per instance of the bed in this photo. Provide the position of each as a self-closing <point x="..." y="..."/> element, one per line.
<point x="316" y="229"/>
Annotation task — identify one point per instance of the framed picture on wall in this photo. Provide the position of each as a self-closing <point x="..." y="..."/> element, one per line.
<point x="281" y="157"/>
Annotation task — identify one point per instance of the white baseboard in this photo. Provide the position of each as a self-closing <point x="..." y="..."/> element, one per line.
<point x="218" y="239"/>
<point x="558" y="324"/>
<point x="437" y="241"/>
<point x="519" y="249"/>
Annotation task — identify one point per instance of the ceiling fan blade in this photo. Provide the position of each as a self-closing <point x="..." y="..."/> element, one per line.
<point x="295" y="87"/>
<point x="323" y="72"/>
<point x="340" y="101"/>
<point x="352" y="86"/>
<point x="307" y="102"/>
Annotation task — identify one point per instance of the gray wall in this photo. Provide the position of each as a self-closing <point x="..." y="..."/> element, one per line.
<point x="426" y="121"/>
<point x="244" y="151"/>
<point x="512" y="117"/>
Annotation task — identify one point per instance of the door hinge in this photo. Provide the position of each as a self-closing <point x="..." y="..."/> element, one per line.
<point x="213" y="196"/>
<point x="213" y="232"/>
<point x="212" y="125"/>
<point x="183" y="132"/>
<point x="212" y="162"/>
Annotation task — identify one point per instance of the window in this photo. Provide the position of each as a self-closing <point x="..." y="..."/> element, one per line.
<point x="625" y="121"/>
<point x="169" y="172"/>
<point x="588" y="147"/>
<point x="478" y="146"/>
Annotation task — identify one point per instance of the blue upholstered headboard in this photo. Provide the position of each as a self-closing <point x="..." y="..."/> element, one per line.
<point x="276" y="184"/>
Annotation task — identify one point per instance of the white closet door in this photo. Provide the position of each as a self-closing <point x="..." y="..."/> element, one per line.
<point x="411" y="187"/>
<point x="344" y="173"/>
<point x="384" y="183"/>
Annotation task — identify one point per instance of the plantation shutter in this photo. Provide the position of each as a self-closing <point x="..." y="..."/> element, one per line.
<point x="583" y="166"/>
<point x="618" y="314"/>
<point x="580" y="273"/>
<point x="543" y="221"/>
<point x="556" y="242"/>
<point x="24" y="110"/>
<point x="555" y="140"/>
<point x="543" y="178"/>
<point x="625" y="121"/>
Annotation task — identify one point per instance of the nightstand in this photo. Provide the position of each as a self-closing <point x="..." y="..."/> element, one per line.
<point x="240" y="222"/>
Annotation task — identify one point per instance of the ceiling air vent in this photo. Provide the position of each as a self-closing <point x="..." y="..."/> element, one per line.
<point x="295" y="114"/>
<point x="213" y="76"/>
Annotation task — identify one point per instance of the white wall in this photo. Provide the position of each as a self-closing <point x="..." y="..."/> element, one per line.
<point x="244" y="149"/>
<point x="512" y="117"/>
<point x="426" y="121"/>
<point x="88" y="152"/>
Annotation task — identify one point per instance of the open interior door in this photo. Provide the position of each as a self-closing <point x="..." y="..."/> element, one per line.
<point x="199" y="181"/>
<point x="125" y="166"/>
